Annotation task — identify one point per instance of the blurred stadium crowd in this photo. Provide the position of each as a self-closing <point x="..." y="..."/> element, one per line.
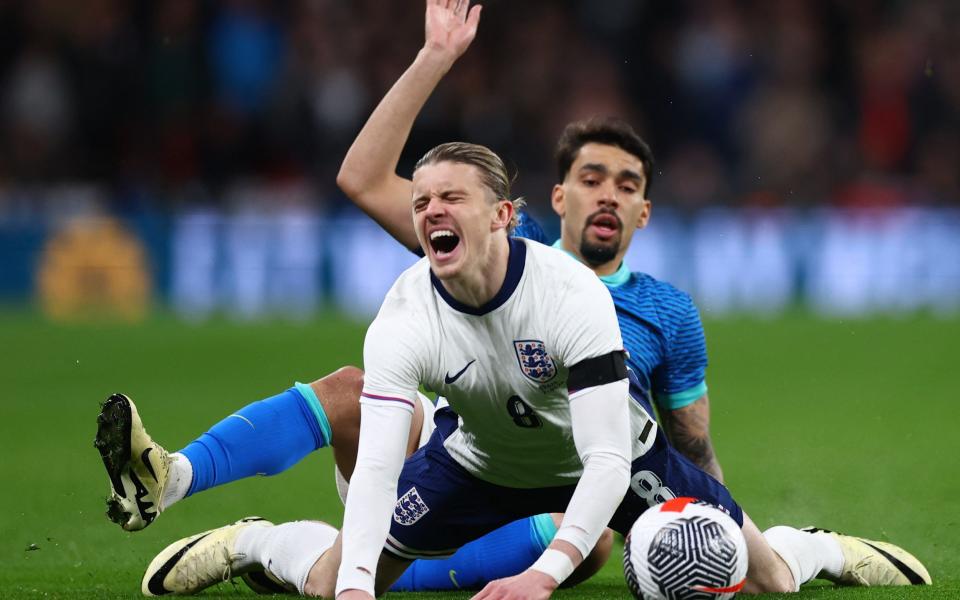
<point x="762" y="102"/>
<point x="807" y="150"/>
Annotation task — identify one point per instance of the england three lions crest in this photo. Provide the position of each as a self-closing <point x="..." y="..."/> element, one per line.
<point x="410" y="508"/>
<point x="535" y="363"/>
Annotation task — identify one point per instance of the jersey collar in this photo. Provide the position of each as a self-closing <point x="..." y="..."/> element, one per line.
<point x="515" y="264"/>
<point x="615" y="279"/>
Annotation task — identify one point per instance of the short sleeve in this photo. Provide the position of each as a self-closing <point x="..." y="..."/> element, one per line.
<point x="391" y="361"/>
<point x="680" y="379"/>
<point x="586" y="321"/>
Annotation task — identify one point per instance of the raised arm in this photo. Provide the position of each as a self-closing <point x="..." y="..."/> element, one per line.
<point x="368" y="175"/>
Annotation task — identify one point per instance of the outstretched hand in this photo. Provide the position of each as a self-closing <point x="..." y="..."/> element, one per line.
<point x="529" y="585"/>
<point x="451" y="26"/>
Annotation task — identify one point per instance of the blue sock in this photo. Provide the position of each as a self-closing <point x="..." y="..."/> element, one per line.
<point x="501" y="553"/>
<point x="263" y="438"/>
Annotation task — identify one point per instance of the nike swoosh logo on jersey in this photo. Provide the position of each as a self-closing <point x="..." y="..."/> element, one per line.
<point x="448" y="380"/>
<point x="155" y="585"/>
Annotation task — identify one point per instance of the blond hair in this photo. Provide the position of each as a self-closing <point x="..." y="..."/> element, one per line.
<point x="493" y="173"/>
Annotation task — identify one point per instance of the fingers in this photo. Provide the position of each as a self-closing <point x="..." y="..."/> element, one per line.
<point x="473" y="19"/>
<point x="486" y="592"/>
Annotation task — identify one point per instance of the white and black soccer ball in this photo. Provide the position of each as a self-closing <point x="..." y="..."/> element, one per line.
<point x="685" y="549"/>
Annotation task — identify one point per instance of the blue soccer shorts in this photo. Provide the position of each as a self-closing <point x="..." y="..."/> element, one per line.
<point x="441" y="506"/>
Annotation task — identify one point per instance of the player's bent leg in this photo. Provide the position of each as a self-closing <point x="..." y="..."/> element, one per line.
<point x="766" y="570"/>
<point x="504" y="552"/>
<point x="137" y="466"/>
<point x="265" y="437"/>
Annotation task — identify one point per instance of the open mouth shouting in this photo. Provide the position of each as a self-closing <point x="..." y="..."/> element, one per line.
<point x="604" y="225"/>
<point x="444" y="244"/>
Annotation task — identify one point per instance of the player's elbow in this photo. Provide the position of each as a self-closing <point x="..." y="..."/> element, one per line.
<point x="350" y="181"/>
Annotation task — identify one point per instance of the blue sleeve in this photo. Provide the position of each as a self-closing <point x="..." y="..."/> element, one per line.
<point x="528" y="228"/>
<point x="681" y="378"/>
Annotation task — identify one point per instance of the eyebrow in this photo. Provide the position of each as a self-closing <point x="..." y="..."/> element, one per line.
<point x="444" y="194"/>
<point x="603" y="170"/>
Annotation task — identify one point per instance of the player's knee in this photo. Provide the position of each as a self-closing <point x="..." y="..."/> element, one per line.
<point x="348" y="379"/>
<point x="339" y="395"/>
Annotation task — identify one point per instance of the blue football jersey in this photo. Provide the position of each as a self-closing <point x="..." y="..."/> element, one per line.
<point x="661" y="331"/>
<point x="663" y="335"/>
<point x="527" y="227"/>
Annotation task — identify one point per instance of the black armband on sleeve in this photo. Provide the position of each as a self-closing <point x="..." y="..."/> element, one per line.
<point x="597" y="371"/>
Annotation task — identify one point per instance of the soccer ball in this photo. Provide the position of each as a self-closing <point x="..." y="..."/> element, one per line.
<point x="685" y="549"/>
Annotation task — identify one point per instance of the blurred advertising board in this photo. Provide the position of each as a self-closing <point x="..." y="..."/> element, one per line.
<point x="289" y="262"/>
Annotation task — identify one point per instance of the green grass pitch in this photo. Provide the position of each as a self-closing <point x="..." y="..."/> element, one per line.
<point x="850" y="425"/>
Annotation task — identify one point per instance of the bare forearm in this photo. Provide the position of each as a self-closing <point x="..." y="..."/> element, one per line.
<point x="368" y="173"/>
<point x="689" y="431"/>
<point x="375" y="152"/>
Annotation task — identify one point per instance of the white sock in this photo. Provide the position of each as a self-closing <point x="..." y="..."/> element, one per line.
<point x="179" y="479"/>
<point x="806" y="554"/>
<point x="288" y="550"/>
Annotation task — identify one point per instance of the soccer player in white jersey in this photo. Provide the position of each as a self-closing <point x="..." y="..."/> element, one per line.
<point x="500" y="327"/>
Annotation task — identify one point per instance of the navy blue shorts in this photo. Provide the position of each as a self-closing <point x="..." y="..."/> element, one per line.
<point x="441" y="506"/>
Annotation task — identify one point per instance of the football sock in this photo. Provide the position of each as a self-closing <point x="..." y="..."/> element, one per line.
<point x="288" y="550"/>
<point x="806" y="554"/>
<point x="501" y="553"/>
<point x="178" y="480"/>
<point x="263" y="438"/>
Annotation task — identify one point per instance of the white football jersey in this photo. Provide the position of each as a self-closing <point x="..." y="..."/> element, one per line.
<point x="502" y="367"/>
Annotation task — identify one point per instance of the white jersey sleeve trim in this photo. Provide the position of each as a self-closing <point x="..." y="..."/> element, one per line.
<point x="585" y="319"/>
<point x="384" y="400"/>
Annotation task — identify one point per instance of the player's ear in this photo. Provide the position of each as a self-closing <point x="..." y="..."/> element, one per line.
<point x="644" y="216"/>
<point x="503" y="215"/>
<point x="557" y="201"/>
